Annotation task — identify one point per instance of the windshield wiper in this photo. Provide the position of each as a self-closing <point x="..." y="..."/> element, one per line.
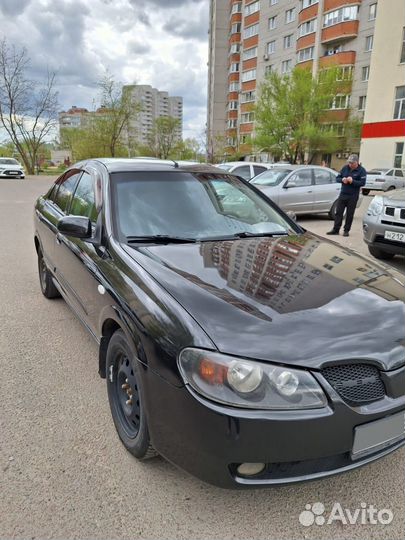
<point x="160" y="239"/>
<point x="247" y="234"/>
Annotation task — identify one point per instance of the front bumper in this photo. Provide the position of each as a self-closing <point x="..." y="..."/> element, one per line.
<point x="12" y="174"/>
<point x="374" y="230"/>
<point x="209" y="440"/>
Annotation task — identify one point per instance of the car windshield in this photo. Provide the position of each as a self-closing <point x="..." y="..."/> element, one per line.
<point x="187" y="205"/>
<point x="271" y="177"/>
<point x="378" y="171"/>
<point x="8" y="161"/>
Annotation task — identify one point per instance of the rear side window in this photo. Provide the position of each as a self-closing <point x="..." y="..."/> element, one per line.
<point x="243" y="171"/>
<point x="399" y="173"/>
<point x="323" y="177"/>
<point x="84" y="200"/>
<point x="66" y="189"/>
<point x="258" y="169"/>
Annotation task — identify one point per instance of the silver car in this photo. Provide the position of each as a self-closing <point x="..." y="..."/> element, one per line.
<point x="384" y="225"/>
<point x="11" y="168"/>
<point x="306" y="189"/>
<point x="245" y="169"/>
<point x="384" y="180"/>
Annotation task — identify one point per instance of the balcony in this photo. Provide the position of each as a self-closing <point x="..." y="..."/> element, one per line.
<point x="340" y="31"/>
<point x="330" y="5"/>
<point x="344" y="58"/>
<point x="308" y="13"/>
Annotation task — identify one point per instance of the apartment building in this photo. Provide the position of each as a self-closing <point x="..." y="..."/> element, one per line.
<point x="265" y="35"/>
<point x="154" y="104"/>
<point x="383" y="134"/>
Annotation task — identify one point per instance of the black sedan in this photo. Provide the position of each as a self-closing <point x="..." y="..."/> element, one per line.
<point x="234" y="343"/>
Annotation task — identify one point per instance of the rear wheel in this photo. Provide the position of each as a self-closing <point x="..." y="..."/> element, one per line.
<point x="126" y="397"/>
<point x="332" y="211"/>
<point x="365" y="191"/>
<point x="45" y="279"/>
<point x="380" y="253"/>
<point x="391" y="188"/>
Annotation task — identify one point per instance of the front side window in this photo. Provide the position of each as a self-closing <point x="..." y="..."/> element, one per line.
<point x="399" y="107"/>
<point x="300" y="179"/>
<point x="323" y="177"/>
<point x="197" y="206"/>
<point x="84" y="199"/>
<point x="67" y="186"/>
<point x="271" y="177"/>
<point x="243" y="171"/>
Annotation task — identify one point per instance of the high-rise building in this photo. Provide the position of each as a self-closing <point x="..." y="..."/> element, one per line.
<point x="251" y="38"/>
<point x="383" y="136"/>
<point x="154" y="104"/>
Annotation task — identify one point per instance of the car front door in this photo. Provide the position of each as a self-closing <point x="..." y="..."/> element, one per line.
<point x="297" y="192"/>
<point x="326" y="189"/>
<point x="243" y="171"/>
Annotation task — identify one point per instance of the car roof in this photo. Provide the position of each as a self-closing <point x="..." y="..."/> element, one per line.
<point x="148" y="164"/>
<point x="236" y="163"/>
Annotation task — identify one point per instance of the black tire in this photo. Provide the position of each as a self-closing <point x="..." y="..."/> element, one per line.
<point x="380" y="253"/>
<point x="48" y="288"/>
<point x="365" y="191"/>
<point x="391" y="188"/>
<point x="124" y="386"/>
<point x="332" y="211"/>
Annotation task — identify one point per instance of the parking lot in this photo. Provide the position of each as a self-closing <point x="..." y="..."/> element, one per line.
<point x="64" y="473"/>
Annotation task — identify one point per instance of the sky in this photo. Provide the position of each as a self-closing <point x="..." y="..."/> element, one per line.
<point x="159" y="42"/>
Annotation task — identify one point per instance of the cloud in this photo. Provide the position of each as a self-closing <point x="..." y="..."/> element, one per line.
<point x="80" y="40"/>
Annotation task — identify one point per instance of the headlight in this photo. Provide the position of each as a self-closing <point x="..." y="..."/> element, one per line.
<point x="376" y="206"/>
<point x="249" y="384"/>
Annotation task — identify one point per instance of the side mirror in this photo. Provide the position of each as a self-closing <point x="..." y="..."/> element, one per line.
<point x="290" y="185"/>
<point x="75" y="226"/>
<point x="292" y="215"/>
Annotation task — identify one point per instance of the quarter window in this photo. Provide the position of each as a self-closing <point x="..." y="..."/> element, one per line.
<point x="66" y="189"/>
<point x="84" y="202"/>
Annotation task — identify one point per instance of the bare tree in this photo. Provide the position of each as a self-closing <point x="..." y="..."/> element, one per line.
<point x="28" y="110"/>
<point x="164" y="136"/>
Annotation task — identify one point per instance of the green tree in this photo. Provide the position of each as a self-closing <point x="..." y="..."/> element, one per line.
<point x="291" y="114"/>
<point x="164" y="136"/>
<point x="28" y="109"/>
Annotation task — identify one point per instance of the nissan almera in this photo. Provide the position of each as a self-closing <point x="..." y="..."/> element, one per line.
<point x="235" y="344"/>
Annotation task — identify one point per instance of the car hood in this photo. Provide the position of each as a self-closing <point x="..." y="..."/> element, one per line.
<point x="11" y="167"/>
<point x="298" y="300"/>
<point x="395" y="196"/>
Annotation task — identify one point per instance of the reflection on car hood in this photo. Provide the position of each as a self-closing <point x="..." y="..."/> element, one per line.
<point x="297" y="300"/>
<point x="396" y="195"/>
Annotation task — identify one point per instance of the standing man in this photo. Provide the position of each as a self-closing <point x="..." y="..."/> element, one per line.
<point x="352" y="177"/>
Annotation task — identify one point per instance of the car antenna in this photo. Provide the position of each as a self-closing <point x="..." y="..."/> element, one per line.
<point x="176" y="165"/>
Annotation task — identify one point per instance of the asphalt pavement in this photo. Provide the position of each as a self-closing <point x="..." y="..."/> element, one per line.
<point x="64" y="473"/>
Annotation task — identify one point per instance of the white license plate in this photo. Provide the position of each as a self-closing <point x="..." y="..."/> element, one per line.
<point x="13" y="172"/>
<point x="375" y="436"/>
<point x="397" y="236"/>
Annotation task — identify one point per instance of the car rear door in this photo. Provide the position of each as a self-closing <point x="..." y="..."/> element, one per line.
<point x="326" y="189"/>
<point x="297" y="193"/>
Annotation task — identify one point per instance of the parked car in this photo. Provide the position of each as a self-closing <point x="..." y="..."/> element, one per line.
<point x="384" y="180"/>
<point x="238" y="346"/>
<point x="302" y="189"/>
<point x="11" y="168"/>
<point x="245" y="169"/>
<point x="384" y="225"/>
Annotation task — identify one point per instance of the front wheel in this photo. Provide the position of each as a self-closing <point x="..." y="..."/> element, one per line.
<point x="380" y="253"/>
<point x="45" y="279"/>
<point x="391" y="188"/>
<point x="126" y="397"/>
<point x="365" y="191"/>
<point x="332" y="211"/>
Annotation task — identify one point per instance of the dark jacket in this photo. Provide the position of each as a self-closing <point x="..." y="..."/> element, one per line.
<point x="359" y="176"/>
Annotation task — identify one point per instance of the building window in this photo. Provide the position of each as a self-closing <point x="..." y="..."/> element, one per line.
<point x="365" y="72"/>
<point x="247" y="97"/>
<point x="237" y="8"/>
<point x="336" y="130"/>
<point x="249" y="53"/>
<point x="231" y="141"/>
<point x="273" y="2"/>
<point x="399" y="154"/>
<point x="235" y="48"/>
<point x="232" y="123"/>
<point x="249" y="75"/>
<point x="305" y="54"/>
<point x="269" y="69"/>
<point x="234" y="67"/>
<point x="340" y="15"/>
<point x="234" y="86"/>
<point x="362" y="103"/>
<point x="288" y="41"/>
<point x="250" y="31"/>
<point x="244" y="139"/>
<point x="290" y="15"/>
<point x="372" y="12"/>
<point x="334" y="50"/>
<point x="286" y="66"/>
<point x="235" y="28"/>
<point x="341" y="101"/>
<point x="252" y="8"/>
<point x="369" y="43"/>
<point x="403" y="48"/>
<point x="272" y="23"/>
<point x="399" y="108"/>
<point x="307" y="28"/>
<point x="233" y="106"/>
<point x="247" y="118"/>
<point x="307" y="3"/>
<point x="271" y="47"/>
<point x="344" y="73"/>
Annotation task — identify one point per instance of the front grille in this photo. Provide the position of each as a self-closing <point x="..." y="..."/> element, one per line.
<point x="356" y="384"/>
<point x="390" y="211"/>
<point x="13" y="173"/>
<point x="394" y="223"/>
<point x="402" y="213"/>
